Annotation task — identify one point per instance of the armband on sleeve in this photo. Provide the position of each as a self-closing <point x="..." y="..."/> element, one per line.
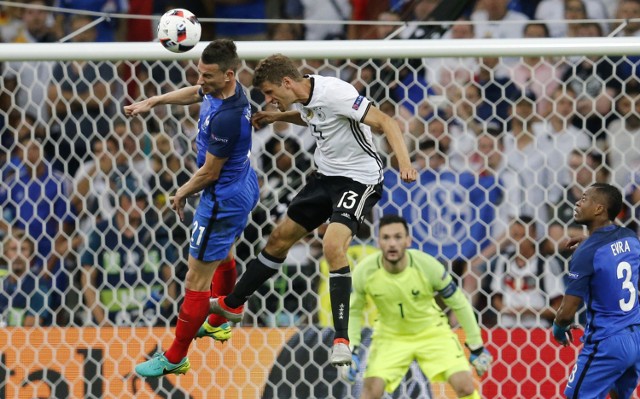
<point x="449" y="290"/>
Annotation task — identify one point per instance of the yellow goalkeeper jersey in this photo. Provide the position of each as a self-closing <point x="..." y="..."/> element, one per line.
<point x="406" y="300"/>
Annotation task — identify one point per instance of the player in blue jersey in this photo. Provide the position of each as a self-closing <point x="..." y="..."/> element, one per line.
<point x="229" y="189"/>
<point x="603" y="273"/>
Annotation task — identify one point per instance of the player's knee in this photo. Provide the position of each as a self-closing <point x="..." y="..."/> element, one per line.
<point x="462" y="384"/>
<point x="335" y="253"/>
<point x="278" y="244"/>
<point x="372" y="388"/>
<point x="465" y="391"/>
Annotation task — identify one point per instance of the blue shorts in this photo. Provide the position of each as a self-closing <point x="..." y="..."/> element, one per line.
<point x="613" y="363"/>
<point x="217" y="223"/>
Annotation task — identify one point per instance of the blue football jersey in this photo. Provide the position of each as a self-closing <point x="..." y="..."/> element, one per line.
<point x="224" y="130"/>
<point x="604" y="273"/>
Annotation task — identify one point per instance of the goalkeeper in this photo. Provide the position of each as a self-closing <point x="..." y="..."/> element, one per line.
<point x="403" y="284"/>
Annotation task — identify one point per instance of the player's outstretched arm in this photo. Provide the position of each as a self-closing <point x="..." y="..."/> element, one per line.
<point x="185" y="96"/>
<point x="378" y="120"/>
<point x="263" y="118"/>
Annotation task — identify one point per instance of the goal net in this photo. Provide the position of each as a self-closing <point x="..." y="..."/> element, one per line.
<point x="505" y="136"/>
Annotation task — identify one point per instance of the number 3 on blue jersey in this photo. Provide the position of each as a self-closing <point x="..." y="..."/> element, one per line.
<point x="624" y="271"/>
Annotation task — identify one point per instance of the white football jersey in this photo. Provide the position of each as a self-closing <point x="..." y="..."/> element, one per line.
<point x="334" y="113"/>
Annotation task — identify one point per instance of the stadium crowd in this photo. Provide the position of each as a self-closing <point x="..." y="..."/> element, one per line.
<point x="503" y="146"/>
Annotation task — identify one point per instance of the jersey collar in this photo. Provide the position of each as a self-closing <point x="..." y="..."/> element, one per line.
<point x="313" y="84"/>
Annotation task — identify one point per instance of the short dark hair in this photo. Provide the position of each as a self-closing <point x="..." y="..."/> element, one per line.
<point x="391" y="219"/>
<point x="612" y="198"/>
<point x="542" y="25"/>
<point x="223" y="53"/>
<point x="275" y="68"/>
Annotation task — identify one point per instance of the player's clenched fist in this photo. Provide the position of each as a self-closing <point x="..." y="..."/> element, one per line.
<point x="139" y="107"/>
<point x="408" y="175"/>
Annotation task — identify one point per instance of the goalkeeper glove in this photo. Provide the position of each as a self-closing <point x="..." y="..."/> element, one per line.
<point x="480" y="359"/>
<point x="563" y="334"/>
<point x="349" y="373"/>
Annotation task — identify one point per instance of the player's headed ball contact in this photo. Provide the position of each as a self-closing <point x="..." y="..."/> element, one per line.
<point x="179" y="30"/>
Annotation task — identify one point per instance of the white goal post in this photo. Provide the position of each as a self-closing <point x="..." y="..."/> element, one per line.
<point x="331" y="49"/>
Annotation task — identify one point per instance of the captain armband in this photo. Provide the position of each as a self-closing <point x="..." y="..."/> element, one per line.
<point x="449" y="290"/>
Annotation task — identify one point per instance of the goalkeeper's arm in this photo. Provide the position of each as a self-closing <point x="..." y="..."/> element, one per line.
<point x="455" y="299"/>
<point x="479" y="357"/>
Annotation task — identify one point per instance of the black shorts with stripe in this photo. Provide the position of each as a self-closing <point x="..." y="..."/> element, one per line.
<point x="340" y="199"/>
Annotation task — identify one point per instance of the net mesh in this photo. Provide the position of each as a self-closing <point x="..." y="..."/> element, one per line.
<point x="504" y="147"/>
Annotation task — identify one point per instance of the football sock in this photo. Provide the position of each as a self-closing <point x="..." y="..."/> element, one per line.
<point x="474" y="395"/>
<point x="193" y="313"/>
<point x="258" y="271"/>
<point x="340" y="291"/>
<point x="224" y="279"/>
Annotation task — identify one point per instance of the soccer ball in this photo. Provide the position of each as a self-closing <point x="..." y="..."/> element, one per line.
<point x="179" y="30"/>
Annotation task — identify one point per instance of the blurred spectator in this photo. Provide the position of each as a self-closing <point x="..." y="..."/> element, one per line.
<point x="558" y="10"/>
<point x="489" y="160"/>
<point x="245" y="9"/>
<point x="559" y="137"/>
<point x="127" y="277"/>
<point x="109" y="30"/>
<point x="526" y="158"/>
<point x="331" y="11"/>
<point x="526" y="288"/>
<point x="35" y="25"/>
<point x="595" y="84"/>
<point x="446" y="72"/>
<point x="284" y="31"/>
<point x="538" y="74"/>
<point x="376" y="76"/>
<point x="19" y="127"/>
<point x="131" y="135"/>
<point x="94" y="183"/>
<point x="22" y="300"/>
<point x="623" y="138"/>
<point x="26" y="82"/>
<point x="575" y="13"/>
<point x="628" y="10"/>
<point x="10" y="22"/>
<point x="496" y="88"/>
<point x="81" y="95"/>
<point x="36" y="201"/>
<point x="170" y="170"/>
<point x="586" y="168"/>
<point x="494" y="20"/>
<point x="465" y="100"/>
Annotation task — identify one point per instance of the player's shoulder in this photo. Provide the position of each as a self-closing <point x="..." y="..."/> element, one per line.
<point x="422" y="258"/>
<point x="331" y="89"/>
<point x="369" y="260"/>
